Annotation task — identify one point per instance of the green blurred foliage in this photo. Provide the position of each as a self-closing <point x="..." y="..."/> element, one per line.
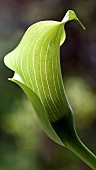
<point x="82" y="100"/>
<point x="23" y="144"/>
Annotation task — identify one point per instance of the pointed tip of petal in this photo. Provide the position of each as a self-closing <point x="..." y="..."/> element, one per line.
<point x="70" y="15"/>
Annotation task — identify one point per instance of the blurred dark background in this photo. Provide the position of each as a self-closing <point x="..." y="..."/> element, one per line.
<point x="23" y="145"/>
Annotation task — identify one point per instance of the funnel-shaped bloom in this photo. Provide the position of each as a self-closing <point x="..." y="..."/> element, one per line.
<point x="36" y="63"/>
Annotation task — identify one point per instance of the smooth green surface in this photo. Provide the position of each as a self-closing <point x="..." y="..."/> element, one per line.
<point x="36" y="63"/>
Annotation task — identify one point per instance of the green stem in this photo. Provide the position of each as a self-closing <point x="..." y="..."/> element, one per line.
<point x="77" y="147"/>
<point x="67" y="133"/>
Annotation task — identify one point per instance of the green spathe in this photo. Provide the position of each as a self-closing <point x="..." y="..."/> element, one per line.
<point x="36" y="63"/>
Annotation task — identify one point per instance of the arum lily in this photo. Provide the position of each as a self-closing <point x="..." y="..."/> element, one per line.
<point x="36" y="63"/>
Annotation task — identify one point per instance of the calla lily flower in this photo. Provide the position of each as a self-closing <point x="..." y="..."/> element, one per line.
<point x="36" y="65"/>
